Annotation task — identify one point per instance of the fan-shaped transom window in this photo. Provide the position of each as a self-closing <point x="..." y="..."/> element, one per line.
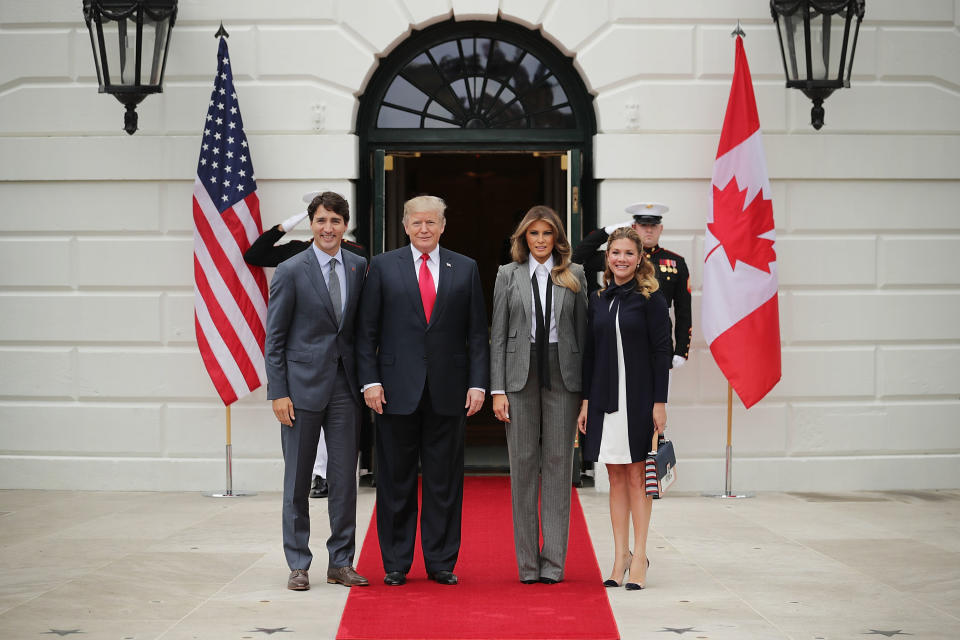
<point x="475" y="83"/>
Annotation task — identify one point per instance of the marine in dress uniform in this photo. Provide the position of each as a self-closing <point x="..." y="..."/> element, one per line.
<point x="670" y="267"/>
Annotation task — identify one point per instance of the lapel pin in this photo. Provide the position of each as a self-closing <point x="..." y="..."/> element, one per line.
<point x="449" y="265"/>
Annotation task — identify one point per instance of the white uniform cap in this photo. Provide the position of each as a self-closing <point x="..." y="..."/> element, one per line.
<point x="647" y="212"/>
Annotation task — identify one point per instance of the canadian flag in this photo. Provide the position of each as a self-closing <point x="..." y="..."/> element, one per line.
<point x="741" y="319"/>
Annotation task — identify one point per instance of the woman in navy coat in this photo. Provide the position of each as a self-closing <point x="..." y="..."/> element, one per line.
<point x="626" y="368"/>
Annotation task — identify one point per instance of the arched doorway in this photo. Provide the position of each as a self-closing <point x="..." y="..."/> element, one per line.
<point x="494" y="119"/>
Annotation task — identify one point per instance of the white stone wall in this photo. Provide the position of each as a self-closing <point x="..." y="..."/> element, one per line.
<point x="101" y="385"/>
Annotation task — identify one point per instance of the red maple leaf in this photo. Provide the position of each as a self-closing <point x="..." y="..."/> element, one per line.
<point x="738" y="229"/>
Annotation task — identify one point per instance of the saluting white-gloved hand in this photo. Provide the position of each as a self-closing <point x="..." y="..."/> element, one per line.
<point x="610" y="228"/>
<point x="293" y="221"/>
<point x="679" y="361"/>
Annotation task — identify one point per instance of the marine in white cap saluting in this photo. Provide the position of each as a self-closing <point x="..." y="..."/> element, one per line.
<point x="670" y="267"/>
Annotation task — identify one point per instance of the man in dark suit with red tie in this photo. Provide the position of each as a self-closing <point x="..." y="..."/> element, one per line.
<point x="423" y="361"/>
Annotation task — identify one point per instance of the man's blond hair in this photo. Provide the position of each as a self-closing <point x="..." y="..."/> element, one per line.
<point x="424" y="203"/>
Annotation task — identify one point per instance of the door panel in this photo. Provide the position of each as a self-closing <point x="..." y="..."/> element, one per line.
<point x="574" y="208"/>
<point x="379" y="180"/>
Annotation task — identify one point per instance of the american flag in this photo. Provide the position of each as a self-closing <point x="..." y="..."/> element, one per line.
<point x="230" y="297"/>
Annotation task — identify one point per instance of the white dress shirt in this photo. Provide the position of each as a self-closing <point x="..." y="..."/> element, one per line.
<point x="324" y="259"/>
<point x="542" y="276"/>
<point x="433" y="264"/>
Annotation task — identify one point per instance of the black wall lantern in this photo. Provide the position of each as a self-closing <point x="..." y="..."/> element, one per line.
<point x="130" y="39"/>
<point x="816" y="45"/>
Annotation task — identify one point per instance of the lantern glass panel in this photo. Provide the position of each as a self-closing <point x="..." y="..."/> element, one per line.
<point x="120" y="49"/>
<point x="826" y="46"/>
<point x="792" y="32"/>
<point x="154" y="44"/>
<point x="97" y="54"/>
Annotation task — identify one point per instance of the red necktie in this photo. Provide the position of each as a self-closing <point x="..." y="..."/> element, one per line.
<point x="428" y="292"/>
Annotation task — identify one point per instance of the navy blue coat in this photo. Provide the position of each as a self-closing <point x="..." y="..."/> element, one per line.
<point x="397" y="348"/>
<point x="647" y="352"/>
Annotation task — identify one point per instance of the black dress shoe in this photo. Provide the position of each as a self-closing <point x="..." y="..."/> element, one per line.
<point x="319" y="488"/>
<point x="443" y="577"/>
<point x="534" y="581"/>
<point x="395" y="578"/>
<point x="548" y="580"/>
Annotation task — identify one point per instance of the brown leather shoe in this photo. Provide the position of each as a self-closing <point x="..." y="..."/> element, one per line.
<point x="347" y="576"/>
<point x="298" y="580"/>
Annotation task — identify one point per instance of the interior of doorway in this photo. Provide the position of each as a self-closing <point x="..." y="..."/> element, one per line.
<point x="487" y="193"/>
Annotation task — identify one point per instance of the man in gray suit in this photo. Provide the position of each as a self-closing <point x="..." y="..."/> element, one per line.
<point x="312" y="381"/>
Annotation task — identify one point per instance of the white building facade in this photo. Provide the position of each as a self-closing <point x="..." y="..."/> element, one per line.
<point x="102" y="385"/>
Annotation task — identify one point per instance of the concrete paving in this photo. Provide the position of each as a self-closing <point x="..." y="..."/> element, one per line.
<point x="178" y="566"/>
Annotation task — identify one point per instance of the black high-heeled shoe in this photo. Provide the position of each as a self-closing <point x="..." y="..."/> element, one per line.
<point x="636" y="586"/>
<point x="613" y="583"/>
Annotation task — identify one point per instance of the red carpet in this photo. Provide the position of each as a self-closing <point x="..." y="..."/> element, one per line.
<point x="490" y="601"/>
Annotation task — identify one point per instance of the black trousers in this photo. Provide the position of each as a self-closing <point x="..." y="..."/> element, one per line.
<point x="436" y="442"/>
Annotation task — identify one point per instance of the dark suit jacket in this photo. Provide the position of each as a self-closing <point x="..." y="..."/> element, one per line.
<point x="303" y="340"/>
<point x="397" y="348"/>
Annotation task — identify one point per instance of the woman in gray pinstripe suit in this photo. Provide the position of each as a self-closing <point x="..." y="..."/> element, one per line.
<point x="537" y="337"/>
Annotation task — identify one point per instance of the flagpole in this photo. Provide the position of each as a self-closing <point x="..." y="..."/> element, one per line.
<point x="229" y="492"/>
<point x="728" y="468"/>
<point x="728" y="475"/>
<point x="229" y="454"/>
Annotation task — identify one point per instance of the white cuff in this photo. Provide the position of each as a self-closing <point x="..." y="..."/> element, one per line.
<point x="481" y="390"/>
<point x="610" y="228"/>
<point x="367" y="386"/>
<point x="293" y="221"/>
<point x="498" y="392"/>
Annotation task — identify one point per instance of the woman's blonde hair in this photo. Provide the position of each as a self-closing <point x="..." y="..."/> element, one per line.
<point x="520" y="252"/>
<point x="646" y="279"/>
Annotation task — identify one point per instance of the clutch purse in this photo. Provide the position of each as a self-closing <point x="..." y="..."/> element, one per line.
<point x="660" y="471"/>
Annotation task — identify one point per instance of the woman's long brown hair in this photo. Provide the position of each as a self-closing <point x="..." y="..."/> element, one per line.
<point x="520" y="252"/>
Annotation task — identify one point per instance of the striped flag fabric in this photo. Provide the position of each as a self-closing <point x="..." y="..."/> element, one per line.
<point x="741" y="318"/>
<point x="230" y="296"/>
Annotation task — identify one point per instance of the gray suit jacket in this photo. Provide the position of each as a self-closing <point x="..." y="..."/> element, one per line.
<point x="510" y="332"/>
<point x="303" y="340"/>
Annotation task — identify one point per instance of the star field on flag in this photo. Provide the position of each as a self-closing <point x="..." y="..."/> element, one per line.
<point x="225" y="168"/>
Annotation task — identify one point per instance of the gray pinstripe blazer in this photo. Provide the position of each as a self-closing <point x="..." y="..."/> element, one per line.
<point x="510" y="332"/>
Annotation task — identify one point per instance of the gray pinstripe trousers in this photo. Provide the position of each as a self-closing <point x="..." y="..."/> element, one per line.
<point x="540" y="439"/>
